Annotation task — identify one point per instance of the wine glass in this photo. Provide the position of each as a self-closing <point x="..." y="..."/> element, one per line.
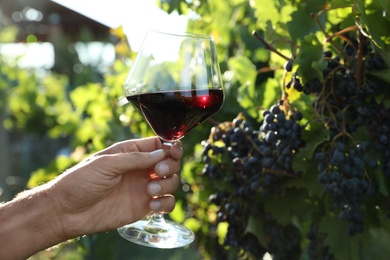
<point x="175" y="83"/>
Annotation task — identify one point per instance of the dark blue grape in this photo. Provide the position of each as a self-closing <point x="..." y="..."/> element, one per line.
<point x="288" y="65"/>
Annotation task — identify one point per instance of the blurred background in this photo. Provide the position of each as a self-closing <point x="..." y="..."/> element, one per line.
<point x="62" y="65"/>
<point x="62" y="68"/>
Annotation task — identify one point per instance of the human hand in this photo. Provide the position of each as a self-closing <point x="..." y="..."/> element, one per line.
<point x="113" y="187"/>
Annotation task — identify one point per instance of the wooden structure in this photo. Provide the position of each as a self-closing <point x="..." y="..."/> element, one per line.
<point x="50" y="17"/>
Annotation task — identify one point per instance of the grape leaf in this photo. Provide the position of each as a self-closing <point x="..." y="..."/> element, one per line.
<point x="283" y="208"/>
<point x="270" y="92"/>
<point x="381" y="181"/>
<point x="377" y="245"/>
<point x="308" y="180"/>
<point x="244" y="70"/>
<point x="301" y="25"/>
<point x="255" y="226"/>
<point x="383" y="75"/>
<point x="266" y="12"/>
<point x="314" y="135"/>
<point x="339" y="240"/>
<point x="310" y="54"/>
<point x="341" y="12"/>
<point x="178" y="214"/>
<point x="374" y="20"/>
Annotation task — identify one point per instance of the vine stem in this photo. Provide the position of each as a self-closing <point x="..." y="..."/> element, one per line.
<point x="340" y="34"/>
<point x="213" y="121"/>
<point x="278" y="172"/>
<point x="315" y="17"/>
<point x="359" y="69"/>
<point x="268" y="46"/>
<point x="334" y="8"/>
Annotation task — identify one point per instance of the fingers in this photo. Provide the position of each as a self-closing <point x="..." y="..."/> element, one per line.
<point x="163" y="186"/>
<point x="142" y="145"/>
<point x="163" y="204"/>
<point x="172" y="164"/>
<point x="139" y="160"/>
<point x="167" y="167"/>
<point x="160" y="190"/>
<point x="127" y="162"/>
<point x="177" y="150"/>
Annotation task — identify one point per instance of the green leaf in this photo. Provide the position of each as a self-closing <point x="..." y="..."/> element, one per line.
<point x="374" y="20"/>
<point x="308" y="179"/>
<point x="310" y="58"/>
<point x="269" y="93"/>
<point x="377" y="244"/>
<point x="301" y="24"/>
<point x="381" y="181"/>
<point x="340" y="12"/>
<point x="244" y="71"/>
<point x="222" y="231"/>
<point x="8" y="33"/>
<point x="314" y="135"/>
<point x="284" y="208"/>
<point x="255" y="226"/>
<point x="267" y="11"/>
<point x="382" y="74"/>
<point x="340" y="244"/>
<point x="43" y="175"/>
<point x="178" y="213"/>
<point x="193" y="224"/>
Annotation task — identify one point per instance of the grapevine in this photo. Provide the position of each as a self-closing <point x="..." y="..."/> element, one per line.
<point x="250" y="161"/>
<point x="257" y="161"/>
<point x="347" y="104"/>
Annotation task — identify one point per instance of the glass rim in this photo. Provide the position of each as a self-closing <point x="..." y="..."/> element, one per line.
<point x="183" y="34"/>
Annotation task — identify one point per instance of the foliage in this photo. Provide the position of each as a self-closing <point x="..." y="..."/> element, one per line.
<point x="320" y="58"/>
<point x="299" y="61"/>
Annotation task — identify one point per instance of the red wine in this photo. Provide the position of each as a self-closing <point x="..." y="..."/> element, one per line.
<point x="172" y="114"/>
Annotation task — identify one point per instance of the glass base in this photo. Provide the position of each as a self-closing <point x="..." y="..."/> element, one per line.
<point x="157" y="232"/>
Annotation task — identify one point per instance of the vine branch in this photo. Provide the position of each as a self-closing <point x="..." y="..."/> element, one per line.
<point x="268" y="46"/>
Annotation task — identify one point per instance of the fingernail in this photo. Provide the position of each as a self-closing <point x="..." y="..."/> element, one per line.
<point x="154" y="205"/>
<point x="154" y="188"/>
<point x="181" y="149"/>
<point x="157" y="153"/>
<point x="163" y="169"/>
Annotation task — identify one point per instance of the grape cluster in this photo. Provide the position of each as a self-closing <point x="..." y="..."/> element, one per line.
<point x="348" y="105"/>
<point x="232" y="211"/>
<point x="258" y="159"/>
<point x="376" y="118"/>
<point x="281" y="139"/>
<point x="247" y="163"/>
<point x="317" y="249"/>
<point x="342" y="173"/>
<point x="246" y="241"/>
<point x="284" y="241"/>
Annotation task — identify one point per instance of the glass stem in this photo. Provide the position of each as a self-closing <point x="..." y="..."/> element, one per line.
<point x="158" y="218"/>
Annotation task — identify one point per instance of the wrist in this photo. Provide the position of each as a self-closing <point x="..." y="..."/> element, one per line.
<point x="31" y="221"/>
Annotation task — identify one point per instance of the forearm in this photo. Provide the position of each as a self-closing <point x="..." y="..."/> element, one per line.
<point x="28" y="224"/>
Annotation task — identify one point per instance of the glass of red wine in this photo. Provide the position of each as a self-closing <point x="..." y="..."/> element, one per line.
<point x="176" y="84"/>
